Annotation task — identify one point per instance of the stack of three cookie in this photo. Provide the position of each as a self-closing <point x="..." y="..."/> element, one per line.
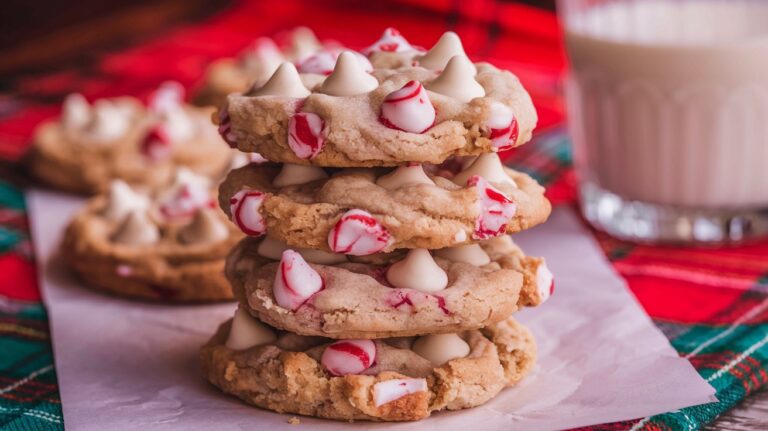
<point x="378" y="279"/>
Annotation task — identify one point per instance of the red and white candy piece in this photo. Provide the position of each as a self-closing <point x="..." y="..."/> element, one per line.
<point x="295" y="281"/>
<point x="323" y="62"/>
<point x="448" y="46"/>
<point x="502" y="127"/>
<point x="189" y="193"/>
<point x="156" y="145"/>
<point x="409" y="174"/>
<point x="225" y="127"/>
<point x="284" y="82"/>
<point x="305" y="134"/>
<point x="495" y="209"/>
<point x="392" y="390"/>
<point x="408" y="109"/>
<point x="458" y="81"/>
<point x="417" y="271"/>
<point x="348" y="78"/>
<point x="244" y="207"/>
<point x="358" y="233"/>
<point x="545" y="281"/>
<point x="488" y="166"/>
<point x="169" y="95"/>
<point x="346" y="357"/>
<point x="391" y="41"/>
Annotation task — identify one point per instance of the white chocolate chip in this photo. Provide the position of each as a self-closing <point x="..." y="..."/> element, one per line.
<point x="441" y="348"/>
<point x="122" y="199"/>
<point x="272" y="248"/>
<point x="178" y="124"/>
<point x="247" y="331"/>
<point x="303" y="44"/>
<point x="76" y="112"/>
<point x="262" y="58"/>
<point x="136" y="229"/>
<point x="417" y="271"/>
<point x="284" y="82"/>
<point x="348" y="78"/>
<point x="472" y="254"/>
<point x="404" y="175"/>
<point x="448" y="46"/>
<point x="457" y="81"/>
<point x="108" y="121"/>
<point x="205" y="228"/>
<point x="488" y="166"/>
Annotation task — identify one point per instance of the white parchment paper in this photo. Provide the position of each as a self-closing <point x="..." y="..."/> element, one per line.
<point x="125" y="365"/>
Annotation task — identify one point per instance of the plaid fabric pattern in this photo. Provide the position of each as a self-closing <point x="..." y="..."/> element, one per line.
<point x="29" y="398"/>
<point x="712" y="304"/>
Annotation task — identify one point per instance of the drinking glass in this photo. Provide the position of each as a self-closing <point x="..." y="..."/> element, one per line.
<point x="668" y="110"/>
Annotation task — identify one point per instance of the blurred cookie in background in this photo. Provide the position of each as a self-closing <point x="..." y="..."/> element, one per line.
<point x="256" y="63"/>
<point x="168" y="245"/>
<point x="93" y="143"/>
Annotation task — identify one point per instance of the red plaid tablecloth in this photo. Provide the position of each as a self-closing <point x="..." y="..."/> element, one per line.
<point x="712" y="304"/>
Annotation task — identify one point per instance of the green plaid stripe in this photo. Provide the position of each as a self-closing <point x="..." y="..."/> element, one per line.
<point x="29" y="397"/>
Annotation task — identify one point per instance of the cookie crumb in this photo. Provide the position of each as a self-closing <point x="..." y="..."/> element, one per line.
<point x="294" y="420"/>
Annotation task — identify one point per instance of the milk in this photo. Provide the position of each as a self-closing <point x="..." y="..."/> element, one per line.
<point x="668" y="100"/>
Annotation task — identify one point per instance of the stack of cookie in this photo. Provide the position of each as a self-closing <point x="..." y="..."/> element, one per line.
<point x="377" y="280"/>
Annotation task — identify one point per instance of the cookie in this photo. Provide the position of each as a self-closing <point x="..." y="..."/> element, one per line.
<point x="92" y="144"/>
<point x="384" y="118"/>
<point x="385" y="295"/>
<point x="167" y="247"/>
<point x="405" y="207"/>
<point x="254" y="65"/>
<point x="379" y="380"/>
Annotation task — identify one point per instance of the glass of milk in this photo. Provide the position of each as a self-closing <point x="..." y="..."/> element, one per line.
<point x="668" y="110"/>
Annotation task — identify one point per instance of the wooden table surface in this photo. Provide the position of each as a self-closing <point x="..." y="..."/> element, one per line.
<point x="23" y="52"/>
<point x="750" y="415"/>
